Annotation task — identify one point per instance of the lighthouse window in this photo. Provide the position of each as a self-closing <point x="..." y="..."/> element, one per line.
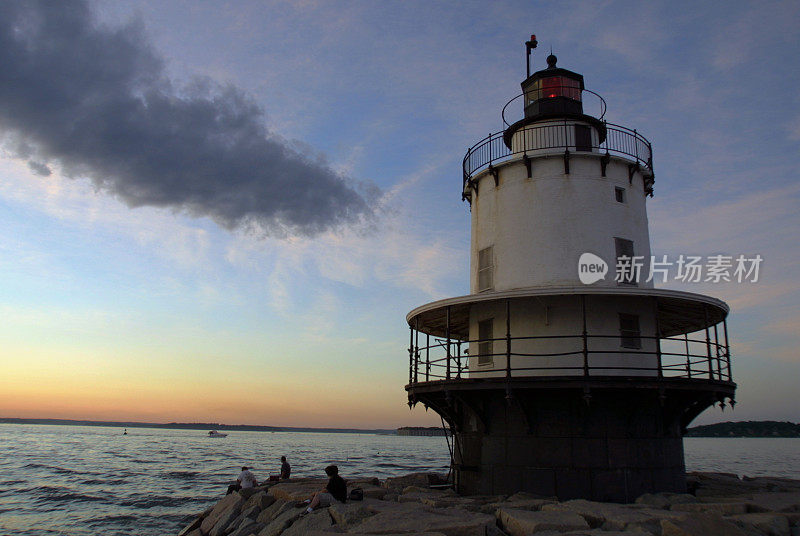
<point x="485" y="335"/>
<point x="629" y="334"/>
<point x="619" y="194"/>
<point x="624" y="248"/>
<point x="486" y="269"/>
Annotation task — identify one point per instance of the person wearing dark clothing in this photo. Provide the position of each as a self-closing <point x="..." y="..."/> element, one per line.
<point x="337" y="487"/>
<point x="335" y="490"/>
<point x="286" y="469"/>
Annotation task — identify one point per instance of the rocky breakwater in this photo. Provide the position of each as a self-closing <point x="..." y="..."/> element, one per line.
<point x="719" y="504"/>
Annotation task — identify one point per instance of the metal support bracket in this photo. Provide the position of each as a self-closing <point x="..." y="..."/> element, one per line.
<point x="566" y="162"/>
<point x="527" y="161"/>
<point x="478" y="412"/>
<point x="632" y="168"/>
<point x="604" y="160"/>
<point x="495" y="174"/>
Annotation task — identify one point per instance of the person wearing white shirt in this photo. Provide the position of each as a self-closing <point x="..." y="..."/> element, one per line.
<point x="246" y="480"/>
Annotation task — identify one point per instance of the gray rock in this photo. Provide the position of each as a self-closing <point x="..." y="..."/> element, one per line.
<point x="350" y="514"/>
<point x="319" y="520"/>
<point x="524" y="522"/>
<point x="227" y="522"/>
<point x="261" y="499"/>
<point x="251" y="512"/>
<point x="248" y="527"/>
<point x="723" y="508"/>
<point x="417" y="519"/>
<point x="249" y="492"/>
<point x="665" y="500"/>
<point x="281" y="522"/>
<point x="527" y="504"/>
<point x="423" y="480"/>
<point x="274" y="510"/>
<point x="234" y="501"/>
<point x="370" y="490"/>
<point x="297" y="490"/>
<point x="700" y="525"/>
<point x="777" y="502"/>
<point x="767" y="524"/>
<point x="611" y="516"/>
<point x="195" y="524"/>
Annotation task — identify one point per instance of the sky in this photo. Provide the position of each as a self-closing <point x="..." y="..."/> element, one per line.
<point x="223" y="211"/>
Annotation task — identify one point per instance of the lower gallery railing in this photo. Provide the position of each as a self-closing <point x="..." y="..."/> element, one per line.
<point x="698" y="355"/>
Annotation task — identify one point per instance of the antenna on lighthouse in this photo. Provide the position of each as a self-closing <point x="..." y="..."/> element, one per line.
<point x="530" y="45"/>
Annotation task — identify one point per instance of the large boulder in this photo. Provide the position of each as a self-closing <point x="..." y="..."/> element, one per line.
<point x="231" y="502"/>
<point x="297" y="490"/>
<point x="767" y="524"/>
<point x="700" y="525"/>
<point x="520" y="504"/>
<point x="274" y="510"/>
<point x="370" y="490"/>
<point x="422" y="480"/>
<point x="281" y="522"/>
<point x="777" y="502"/>
<point x="724" y="508"/>
<point x="524" y="522"/>
<point x="319" y="520"/>
<point x="248" y="527"/>
<point x="350" y="514"/>
<point x="417" y="494"/>
<point x="246" y="493"/>
<point x="665" y="500"/>
<point x="417" y="519"/>
<point x="261" y="499"/>
<point x="612" y="516"/>
<point x="195" y="524"/>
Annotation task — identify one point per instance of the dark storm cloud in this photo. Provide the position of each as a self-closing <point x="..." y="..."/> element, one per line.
<point x="96" y="102"/>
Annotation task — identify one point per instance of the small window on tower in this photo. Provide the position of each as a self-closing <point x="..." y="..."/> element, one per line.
<point x="486" y="269"/>
<point x="485" y="335"/>
<point x="626" y="264"/>
<point x="619" y="194"/>
<point x="629" y="334"/>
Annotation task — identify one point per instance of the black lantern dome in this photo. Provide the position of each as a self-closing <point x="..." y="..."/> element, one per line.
<point x="554" y="93"/>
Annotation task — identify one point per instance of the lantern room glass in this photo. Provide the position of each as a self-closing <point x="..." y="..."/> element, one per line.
<point x="552" y="87"/>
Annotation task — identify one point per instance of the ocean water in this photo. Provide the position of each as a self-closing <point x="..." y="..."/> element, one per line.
<point x="80" y="481"/>
<point x="87" y="480"/>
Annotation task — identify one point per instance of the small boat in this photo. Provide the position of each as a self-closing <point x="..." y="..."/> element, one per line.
<point x="214" y="433"/>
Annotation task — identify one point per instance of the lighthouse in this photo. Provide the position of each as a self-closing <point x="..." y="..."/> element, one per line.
<point x="565" y="371"/>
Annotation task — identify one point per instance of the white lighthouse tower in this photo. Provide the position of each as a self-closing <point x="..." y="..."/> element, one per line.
<point x="550" y="384"/>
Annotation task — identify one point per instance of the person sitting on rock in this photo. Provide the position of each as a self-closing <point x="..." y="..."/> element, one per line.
<point x="246" y="480"/>
<point x="335" y="490"/>
<point x="286" y="469"/>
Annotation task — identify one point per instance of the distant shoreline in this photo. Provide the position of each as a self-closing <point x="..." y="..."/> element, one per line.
<point x="196" y="426"/>
<point x="773" y="429"/>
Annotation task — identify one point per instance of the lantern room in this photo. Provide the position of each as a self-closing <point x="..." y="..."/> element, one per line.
<point x="553" y="91"/>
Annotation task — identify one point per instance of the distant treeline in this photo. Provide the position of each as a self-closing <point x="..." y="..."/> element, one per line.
<point x="746" y="429"/>
<point x="194" y="426"/>
<point x="420" y="431"/>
